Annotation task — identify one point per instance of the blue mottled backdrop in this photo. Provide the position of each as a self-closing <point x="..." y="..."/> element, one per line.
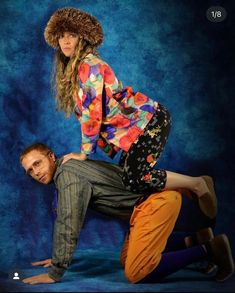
<point x="164" y="48"/>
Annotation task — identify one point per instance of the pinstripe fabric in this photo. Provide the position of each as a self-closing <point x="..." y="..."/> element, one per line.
<point x="81" y="184"/>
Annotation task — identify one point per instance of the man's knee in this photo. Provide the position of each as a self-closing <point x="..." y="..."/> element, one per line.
<point x="132" y="276"/>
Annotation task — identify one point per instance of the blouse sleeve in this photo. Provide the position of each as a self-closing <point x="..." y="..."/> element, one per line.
<point x="91" y="87"/>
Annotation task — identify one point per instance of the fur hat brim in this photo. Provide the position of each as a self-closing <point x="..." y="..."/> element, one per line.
<point x="70" y="19"/>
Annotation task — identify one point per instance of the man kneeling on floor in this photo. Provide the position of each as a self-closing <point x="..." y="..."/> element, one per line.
<point x="99" y="185"/>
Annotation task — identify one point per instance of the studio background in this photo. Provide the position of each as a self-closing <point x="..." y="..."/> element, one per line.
<point x="166" y="49"/>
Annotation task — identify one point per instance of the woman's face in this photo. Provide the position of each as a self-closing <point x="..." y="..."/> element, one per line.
<point x="68" y="42"/>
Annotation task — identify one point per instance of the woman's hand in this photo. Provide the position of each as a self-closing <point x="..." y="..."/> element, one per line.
<point x="76" y="156"/>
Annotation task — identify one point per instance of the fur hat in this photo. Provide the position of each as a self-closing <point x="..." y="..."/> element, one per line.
<point x="76" y="21"/>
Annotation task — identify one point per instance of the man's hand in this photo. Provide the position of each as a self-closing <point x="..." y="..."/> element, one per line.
<point x="38" y="279"/>
<point x="76" y="156"/>
<point x="45" y="263"/>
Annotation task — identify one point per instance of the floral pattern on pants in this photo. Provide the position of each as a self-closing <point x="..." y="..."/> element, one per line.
<point x="138" y="163"/>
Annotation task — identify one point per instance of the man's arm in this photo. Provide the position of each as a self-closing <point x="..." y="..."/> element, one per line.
<point x="73" y="199"/>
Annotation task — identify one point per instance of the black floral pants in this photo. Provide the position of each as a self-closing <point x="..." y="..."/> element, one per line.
<point x="138" y="163"/>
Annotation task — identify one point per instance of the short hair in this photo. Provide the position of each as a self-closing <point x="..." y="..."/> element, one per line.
<point x="41" y="147"/>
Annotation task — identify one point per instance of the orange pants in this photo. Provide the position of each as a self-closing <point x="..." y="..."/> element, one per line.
<point x="151" y="224"/>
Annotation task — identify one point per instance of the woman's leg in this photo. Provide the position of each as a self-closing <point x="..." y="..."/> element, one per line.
<point x="139" y="174"/>
<point x="195" y="184"/>
<point x="202" y="186"/>
<point x="138" y="163"/>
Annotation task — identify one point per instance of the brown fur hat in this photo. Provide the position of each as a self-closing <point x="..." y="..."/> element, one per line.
<point x="76" y="21"/>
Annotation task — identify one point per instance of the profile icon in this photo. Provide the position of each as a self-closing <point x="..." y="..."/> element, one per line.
<point x="16" y="276"/>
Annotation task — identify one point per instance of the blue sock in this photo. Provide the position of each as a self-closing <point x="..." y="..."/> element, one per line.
<point x="173" y="261"/>
<point x="176" y="242"/>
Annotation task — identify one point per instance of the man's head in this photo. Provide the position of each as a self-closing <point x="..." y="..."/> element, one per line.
<point x="38" y="160"/>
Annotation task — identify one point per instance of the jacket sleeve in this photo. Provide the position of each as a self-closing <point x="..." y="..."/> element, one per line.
<point x="109" y="148"/>
<point x="91" y="88"/>
<point x="73" y="199"/>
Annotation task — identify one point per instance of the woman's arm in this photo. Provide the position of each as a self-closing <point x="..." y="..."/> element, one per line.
<point x="92" y="85"/>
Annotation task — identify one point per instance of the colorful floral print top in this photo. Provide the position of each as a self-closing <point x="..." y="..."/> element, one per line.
<point x="110" y="116"/>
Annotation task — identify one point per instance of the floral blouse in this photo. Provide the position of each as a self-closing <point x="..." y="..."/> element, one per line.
<point x="110" y="116"/>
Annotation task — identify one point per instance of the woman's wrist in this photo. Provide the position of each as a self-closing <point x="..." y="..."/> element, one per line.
<point x="82" y="156"/>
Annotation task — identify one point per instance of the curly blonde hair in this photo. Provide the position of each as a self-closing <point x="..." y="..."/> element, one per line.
<point x="65" y="76"/>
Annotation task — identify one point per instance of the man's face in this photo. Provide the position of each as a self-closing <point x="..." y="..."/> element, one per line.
<point x="40" y="166"/>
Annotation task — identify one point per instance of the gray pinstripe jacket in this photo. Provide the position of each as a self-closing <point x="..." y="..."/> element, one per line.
<point x="81" y="184"/>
